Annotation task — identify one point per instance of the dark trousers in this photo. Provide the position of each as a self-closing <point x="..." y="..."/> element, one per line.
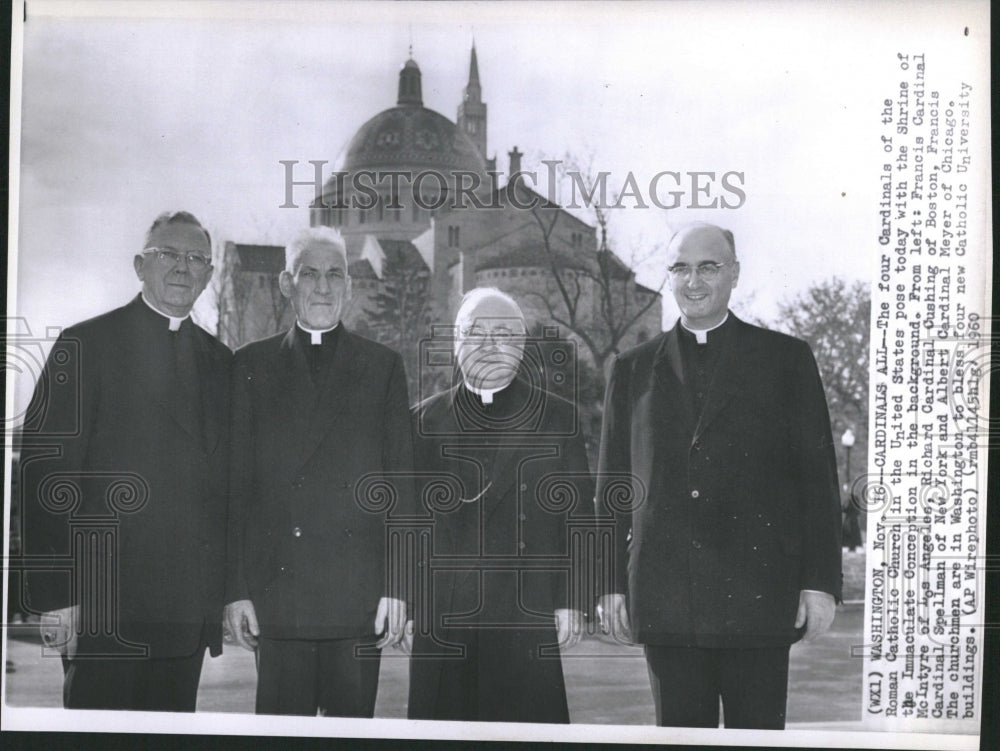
<point x="332" y="677"/>
<point x="502" y="677"/>
<point x="687" y="683"/>
<point x="167" y="684"/>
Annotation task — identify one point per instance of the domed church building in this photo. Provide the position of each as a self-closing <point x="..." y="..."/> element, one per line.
<point x="412" y="157"/>
<point x="426" y="216"/>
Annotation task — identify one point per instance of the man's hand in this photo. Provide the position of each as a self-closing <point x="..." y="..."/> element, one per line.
<point x="816" y="611"/>
<point x="59" y="629"/>
<point x="613" y="614"/>
<point x="240" y="622"/>
<point x="569" y="627"/>
<point x="390" y="620"/>
<point x="406" y="643"/>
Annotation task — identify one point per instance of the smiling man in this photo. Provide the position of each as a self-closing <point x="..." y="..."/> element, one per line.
<point x="315" y="410"/>
<point x="731" y="551"/>
<point x="130" y="425"/>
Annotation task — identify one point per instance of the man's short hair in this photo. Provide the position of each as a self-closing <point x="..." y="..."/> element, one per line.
<point x="176" y="217"/>
<point x="474" y="296"/>
<point x="311" y="236"/>
<point x="691" y="226"/>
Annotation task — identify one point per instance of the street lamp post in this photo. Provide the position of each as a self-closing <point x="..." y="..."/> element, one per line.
<point x="847" y="440"/>
<point x="852" y="531"/>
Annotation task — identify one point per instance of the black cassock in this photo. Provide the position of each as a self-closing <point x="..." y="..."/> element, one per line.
<point x="503" y="487"/>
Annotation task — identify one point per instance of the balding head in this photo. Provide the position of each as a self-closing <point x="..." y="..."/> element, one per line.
<point x="709" y="231"/>
<point x="701" y="259"/>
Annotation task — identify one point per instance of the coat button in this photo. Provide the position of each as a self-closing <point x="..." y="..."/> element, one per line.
<point x="297" y="531"/>
<point x="695" y="494"/>
<point x="521" y="545"/>
<point x="695" y="544"/>
<point x="522" y="517"/>
<point x="524" y="486"/>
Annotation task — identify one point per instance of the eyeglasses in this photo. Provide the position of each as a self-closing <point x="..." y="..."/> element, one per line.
<point x="170" y="257"/>
<point x="707" y="270"/>
<point x="501" y="335"/>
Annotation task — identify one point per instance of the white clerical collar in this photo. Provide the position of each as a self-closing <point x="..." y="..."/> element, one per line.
<point x="316" y="335"/>
<point x="485" y="394"/>
<point x="175" y="322"/>
<point x="701" y="335"/>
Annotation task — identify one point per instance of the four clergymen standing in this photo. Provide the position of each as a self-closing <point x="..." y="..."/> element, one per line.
<point x="253" y="488"/>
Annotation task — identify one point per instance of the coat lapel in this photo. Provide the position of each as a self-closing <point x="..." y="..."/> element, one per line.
<point x="668" y="387"/>
<point x="727" y="378"/>
<point x="465" y="449"/>
<point x="294" y="387"/>
<point x="460" y="455"/>
<point x="215" y="395"/>
<point x="145" y="355"/>
<point x="332" y="394"/>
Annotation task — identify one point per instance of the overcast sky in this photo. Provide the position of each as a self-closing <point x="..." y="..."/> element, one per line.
<point x="126" y="117"/>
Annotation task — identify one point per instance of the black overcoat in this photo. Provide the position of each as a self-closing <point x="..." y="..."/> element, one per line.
<point x="317" y="472"/>
<point x="731" y="513"/>
<point x="503" y="504"/>
<point x="125" y="495"/>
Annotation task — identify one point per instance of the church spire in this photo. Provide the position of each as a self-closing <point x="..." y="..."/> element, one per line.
<point x="473" y="68"/>
<point x="472" y="110"/>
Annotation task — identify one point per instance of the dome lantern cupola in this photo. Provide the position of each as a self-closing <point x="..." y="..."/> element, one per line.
<point x="409" y="84"/>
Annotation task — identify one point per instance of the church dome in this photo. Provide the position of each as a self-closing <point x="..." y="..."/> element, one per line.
<point x="411" y="135"/>
<point x="427" y="150"/>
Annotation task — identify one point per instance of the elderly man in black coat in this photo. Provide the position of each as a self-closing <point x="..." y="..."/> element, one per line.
<point x="125" y="467"/>
<point x="730" y="544"/>
<point x="505" y="481"/>
<point x="318" y="414"/>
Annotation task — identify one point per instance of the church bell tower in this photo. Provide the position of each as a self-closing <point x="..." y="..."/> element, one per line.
<point x="472" y="111"/>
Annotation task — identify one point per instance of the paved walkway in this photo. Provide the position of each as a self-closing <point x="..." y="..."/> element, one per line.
<point x="606" y="684"/>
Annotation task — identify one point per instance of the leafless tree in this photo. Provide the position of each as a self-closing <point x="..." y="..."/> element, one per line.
<point x="593" y="294"/>
<point x="834" y="315"/>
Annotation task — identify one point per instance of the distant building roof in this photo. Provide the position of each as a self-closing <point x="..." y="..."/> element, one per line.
<point x="402" y="254"/>
<point x="525" y="196"/>
<point x="643" y="289"/>
<point x="524" y="256"/>
<point x="619" y="269"/>
<point x="361" y="269"/>
<point x="260" y="259"/>
<point x="534" y="256"/>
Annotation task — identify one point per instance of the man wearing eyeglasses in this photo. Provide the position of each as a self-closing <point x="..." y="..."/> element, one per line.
<point x="125" y="505"/>
<point x="504" y="473"/>
<point x="731" y="550"/>
<point x="319" y="413"/>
